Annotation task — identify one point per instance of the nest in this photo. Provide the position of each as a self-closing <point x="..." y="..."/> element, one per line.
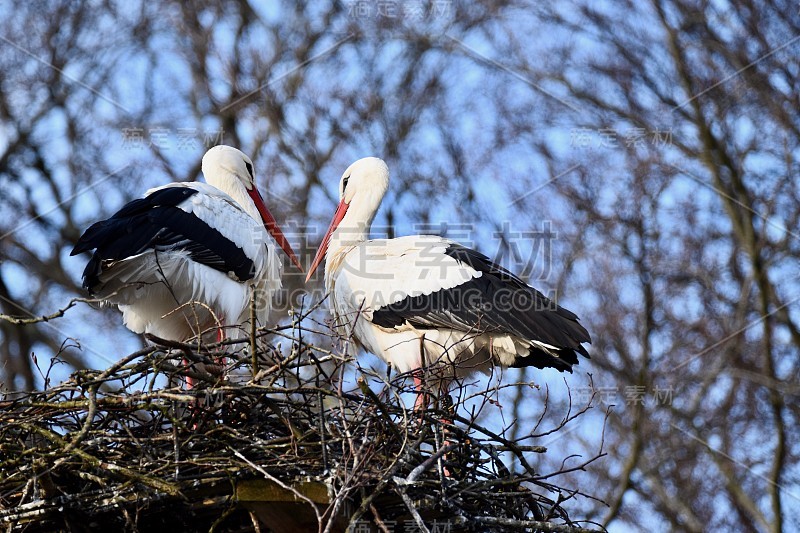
<point x="295" y="448"/>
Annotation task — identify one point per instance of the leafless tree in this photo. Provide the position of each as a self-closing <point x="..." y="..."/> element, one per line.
<point x="681" y="204"/>
<point x="636" y="160"/>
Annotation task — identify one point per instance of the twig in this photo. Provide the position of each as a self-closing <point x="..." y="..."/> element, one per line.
<point x="46" y="318"/>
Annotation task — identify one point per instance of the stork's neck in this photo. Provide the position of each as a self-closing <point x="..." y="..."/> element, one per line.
<point x="231" y="185"/>
<point x="352" y="230"/>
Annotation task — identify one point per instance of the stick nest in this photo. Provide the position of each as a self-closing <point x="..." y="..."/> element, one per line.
<point x="130" y="448"/>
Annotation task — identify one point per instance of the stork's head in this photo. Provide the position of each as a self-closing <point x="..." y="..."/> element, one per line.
<point x="222" y="161"/>
<point x="230" y="170"/>
<point x="364" y="182"/>
<point x="361" y="190"/>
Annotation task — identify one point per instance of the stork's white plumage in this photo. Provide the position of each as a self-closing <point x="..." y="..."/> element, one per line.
<point x="427" y="301"/>
<point x="188" y="257"/>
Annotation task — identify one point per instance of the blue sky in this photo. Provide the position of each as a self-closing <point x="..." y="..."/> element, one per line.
<point x="497" y="176"/>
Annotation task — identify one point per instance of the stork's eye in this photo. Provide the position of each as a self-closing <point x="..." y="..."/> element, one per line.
<point x="249" y="168"/>
<point x="344" y="184"/>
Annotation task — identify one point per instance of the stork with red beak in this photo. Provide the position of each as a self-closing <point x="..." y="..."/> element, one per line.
<point x="425" y="301"/>
<point x="189" y="257"/>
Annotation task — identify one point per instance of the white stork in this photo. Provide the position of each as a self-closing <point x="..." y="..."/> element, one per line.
<point x="189" y="257"/>
<point x="425" y="301"/>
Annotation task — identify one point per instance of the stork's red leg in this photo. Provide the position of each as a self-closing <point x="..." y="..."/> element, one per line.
<point x="446" y="404"/>
<point x="195" y="406"/>
<point x="221" y="338"/>
<point x="422" y="397"/>
<point x="422" y="403"/>
<point x="189" y="380"/>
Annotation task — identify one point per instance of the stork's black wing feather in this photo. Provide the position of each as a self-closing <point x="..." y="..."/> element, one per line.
<point x="155" y="222"/>
<point x="497" y="301"/>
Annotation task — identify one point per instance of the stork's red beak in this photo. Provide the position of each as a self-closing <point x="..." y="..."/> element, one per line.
<point x="326" y="240"/>
<point x="272" y="226"/>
